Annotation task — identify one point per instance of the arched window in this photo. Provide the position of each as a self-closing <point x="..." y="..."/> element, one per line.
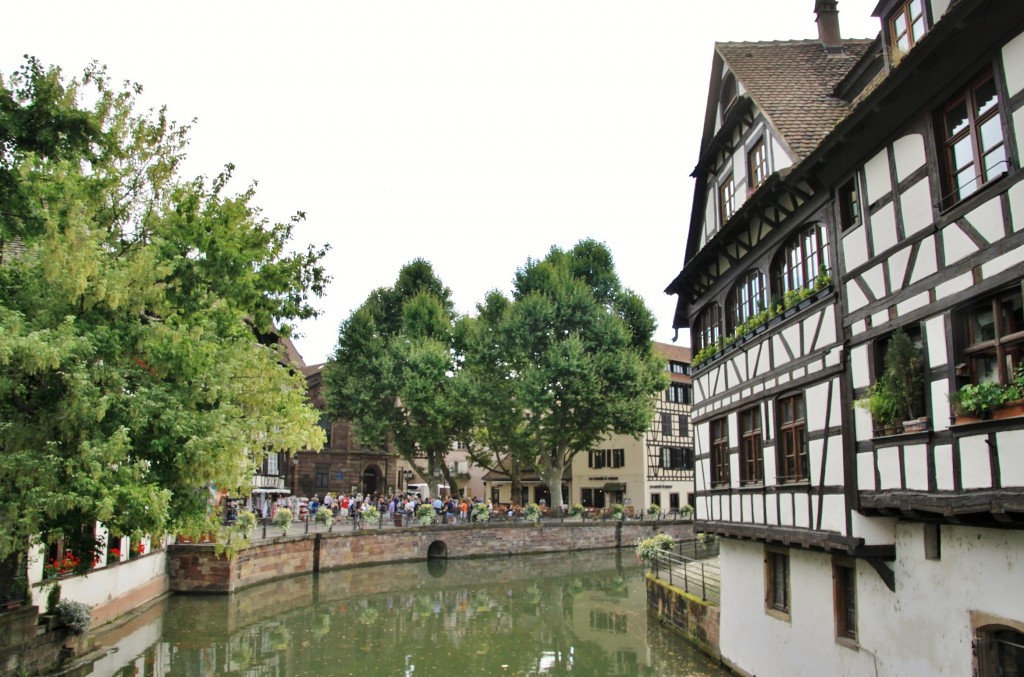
<point x="999" y="650"/>
<point x="746" y="299"/>
<point x="708" y="328"/>
<point x="801" y="260"/>
<point x="728" y="94"/>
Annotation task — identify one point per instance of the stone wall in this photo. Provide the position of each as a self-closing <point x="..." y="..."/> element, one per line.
<point x="694" y="618"/>
<point x="30" y="644"/>
<point x="197" y="568"/>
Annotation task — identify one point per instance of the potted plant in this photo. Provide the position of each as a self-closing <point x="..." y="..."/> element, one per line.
<point x="654" y="511"/>
<point x="618" y="511"/>
<point x="686" y="512"/>
<point x="426" y="515"/>
<point x="977" y="400"/>
<point x="532" y="512"/>
<point x="647" y="547"/>
<point x="481" y="513"/>
<point x="283" y="520"/>
<point x="325" y="517"/>
<point x="894" y="396"/>
<point x="576" y="511"/>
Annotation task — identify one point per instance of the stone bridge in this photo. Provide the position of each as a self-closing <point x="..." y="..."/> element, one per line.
<point x="197" y="567"/>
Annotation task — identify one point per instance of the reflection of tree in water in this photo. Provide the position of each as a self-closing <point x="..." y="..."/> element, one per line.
<point x="591" y="622"/>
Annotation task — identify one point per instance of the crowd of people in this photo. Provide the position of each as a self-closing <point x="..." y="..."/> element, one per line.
<point x="450" y="509"/>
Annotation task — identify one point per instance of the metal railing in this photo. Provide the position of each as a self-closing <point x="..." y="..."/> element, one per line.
<point x="701" y="578"/>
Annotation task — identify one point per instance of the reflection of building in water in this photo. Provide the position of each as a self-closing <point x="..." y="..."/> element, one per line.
<point x="487" y="613"/>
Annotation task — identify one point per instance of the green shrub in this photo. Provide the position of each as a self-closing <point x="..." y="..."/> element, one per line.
<point x="646" y="547"/>
<point x="75" y="615"/>
<point x="532" y="512"/>
<point x="283" y="519"/>
<point x="654" y="510"/>
<point x="426" y="515"/>
<point x="480" y="512"/>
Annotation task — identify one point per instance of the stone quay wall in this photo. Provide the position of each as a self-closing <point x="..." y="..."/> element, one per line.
<point x="196" y="568"/>
<point x="689" y="615"/>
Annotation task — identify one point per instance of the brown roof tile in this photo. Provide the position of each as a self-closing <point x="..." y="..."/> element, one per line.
<point x="792" y="83"/>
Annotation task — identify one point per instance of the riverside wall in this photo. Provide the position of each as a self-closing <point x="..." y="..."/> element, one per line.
<point x="196" y="568"/>
<point x="696" y="619"/>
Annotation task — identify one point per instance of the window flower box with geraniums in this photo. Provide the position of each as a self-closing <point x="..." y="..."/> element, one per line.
<point x="67" y="564"/>
<point x="113" y="556"/>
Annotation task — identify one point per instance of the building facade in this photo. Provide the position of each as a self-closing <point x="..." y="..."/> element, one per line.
<point x="655" y="468"/>
<point x="853" y="195"/>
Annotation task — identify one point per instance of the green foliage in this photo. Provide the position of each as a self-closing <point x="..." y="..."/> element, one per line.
<point x="426" y="515"/>
<point x="138" y="355"/>
<point x="395" y="372"/>
<point x="283" y="519"/>
<point x="647" y="547"/>
<point x="979" y="399"/>
<point x="325" y="517"/>
<point x="245" y="521"/>
<point x="480" y="512"/>
<point x="654" y="510"/>
<point x="371" y="514"/>
<point x="75" y="615"/>
<point x="53" y="598"/>
<point x="563" y="363"/>
<point x="892" y="397"/>
<point x="686" y="511"/>
<point x="576" y="510"/>
<point x="618" y="510"/>
<point x="532" y="512"/>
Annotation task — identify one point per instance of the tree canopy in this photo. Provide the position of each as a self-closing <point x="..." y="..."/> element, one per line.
<point x="131" y="377"/>
<point x="564" y="363"/>
<point x="394" y="373"/>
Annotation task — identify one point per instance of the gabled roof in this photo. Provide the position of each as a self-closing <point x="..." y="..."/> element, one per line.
<point x="792" y="82"/>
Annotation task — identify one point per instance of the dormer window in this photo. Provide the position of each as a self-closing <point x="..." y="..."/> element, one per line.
<point x="907" y="25"/>
<point x="726" y="199"/>
<point x="728" y="92"/>
<point x="757" y="164"/>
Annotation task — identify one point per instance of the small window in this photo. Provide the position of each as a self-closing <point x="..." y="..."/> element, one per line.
<point x="592" y="498"/>
<point x="272" y="466"/>
<point x="844" y="579"/>
<point x="325" y="423"/>
<point x="907" y="25"/>
<point x="757" y="164"/>
<point x="673" y="503"/>
<point x="777" y="581"/>
<point x="994" y="336"/>
<point x="972" y="138"/>
<point x="597" y="459"/>
<point x="684" y="426"/>
<point x="679" y="368"/>
<point x="676" y="458"/>
<point x="322" y="475"/>
<point x="748" y="298"/>
<point x="707" y="329"/>
<point x="679" y="393"/>
<point x="728" y="94"/>
<point x="719" y="452"/>
<point x="803" y="257"/>
<point x="1000" y="651"/>
<point x="849" y="204"/>
<point x="656" y="500"/>
<point x="727" y="199"/>
<point x="791" y="446"/>
<point x="751" y="461"/>
<point x="666" y="424"/>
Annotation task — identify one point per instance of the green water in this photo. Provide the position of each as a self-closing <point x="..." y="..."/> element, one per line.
<point x="566" y="614"/>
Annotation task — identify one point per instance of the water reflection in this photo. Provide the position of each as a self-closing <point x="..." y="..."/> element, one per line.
<point x="579" y="614"/>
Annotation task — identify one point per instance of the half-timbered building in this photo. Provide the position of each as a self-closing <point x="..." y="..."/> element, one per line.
<point x="852" y="195"/>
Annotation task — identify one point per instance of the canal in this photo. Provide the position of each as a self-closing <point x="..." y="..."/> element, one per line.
<point x="560" y="614"/>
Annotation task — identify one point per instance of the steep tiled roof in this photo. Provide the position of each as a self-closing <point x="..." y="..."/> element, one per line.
<point x="792" y="83"/>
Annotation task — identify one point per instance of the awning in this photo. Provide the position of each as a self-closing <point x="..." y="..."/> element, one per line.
<point x="614" y="486"/>
<point x="271" y="491"/>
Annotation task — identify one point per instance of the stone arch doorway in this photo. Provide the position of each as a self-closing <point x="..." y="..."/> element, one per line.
<point x="372" y="480"/>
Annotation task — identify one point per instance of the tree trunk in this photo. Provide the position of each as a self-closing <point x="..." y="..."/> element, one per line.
<point x="552" y="477"/>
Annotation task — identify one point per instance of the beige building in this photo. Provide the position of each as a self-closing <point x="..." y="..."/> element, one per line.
<point x="654" y="468"/>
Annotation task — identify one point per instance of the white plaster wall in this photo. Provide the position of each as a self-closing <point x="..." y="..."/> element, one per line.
<point x="874" y="530"/>
<point x="944" y="467"/>
<point x="908" y="152"/>
<point x="956" y="244"/>
<point x="1010" y="259"/>
<point x="877" y="180"/>
<point x="1013" y="64"/>
<point x="915" y="464"/>
<point x="975" y="466"/>
<point x="913" y="303"/>
<point x="1011" y="461"/>
<point x="1018" y="126"/>
<point x="897" y="263"/>
<point x="99" y="586"/>
<point x="916" y="207"/>
<point x="926" y="263"/>
<point x="883" y="228"/>
<point x="1016" y="196"/>
<point x="779" y="155"/>
<point x="987" y="218"/>
<point x="769" y="646"/>
<point x="939" y="8"/>
<point x="957" y="284"/>
<point x="874" y="279"/>
<point x="935" y="339"/>
<point x="889" y="467"/>
<point x="859" y="366"/>
<point x="923" y="628"/>
<point x="866" y="472"/>
<point x="855" y="247"/>
<point x="855" y="298"/>
<point x="940" y="405"/>
<point x="833" y="516"/>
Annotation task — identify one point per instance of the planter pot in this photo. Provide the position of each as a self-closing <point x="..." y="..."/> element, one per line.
<point x="916" y="425"/>
<point x="962" y="419"/>
<point x="1010" y="410"/>
<point x="761" y="328"/>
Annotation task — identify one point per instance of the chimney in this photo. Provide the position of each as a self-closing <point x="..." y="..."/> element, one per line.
<point x="828" y="25"/>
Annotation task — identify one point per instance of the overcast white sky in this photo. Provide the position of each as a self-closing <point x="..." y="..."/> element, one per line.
<point x="471" y="133"/>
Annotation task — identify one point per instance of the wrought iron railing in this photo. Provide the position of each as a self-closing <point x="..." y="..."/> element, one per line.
<point x="701" y="578"/>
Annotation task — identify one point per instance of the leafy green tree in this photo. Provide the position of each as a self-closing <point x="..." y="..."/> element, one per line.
<point x="394" y="373"/>
<point x="564" y="363"/>
<point x="139" y="362"/>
